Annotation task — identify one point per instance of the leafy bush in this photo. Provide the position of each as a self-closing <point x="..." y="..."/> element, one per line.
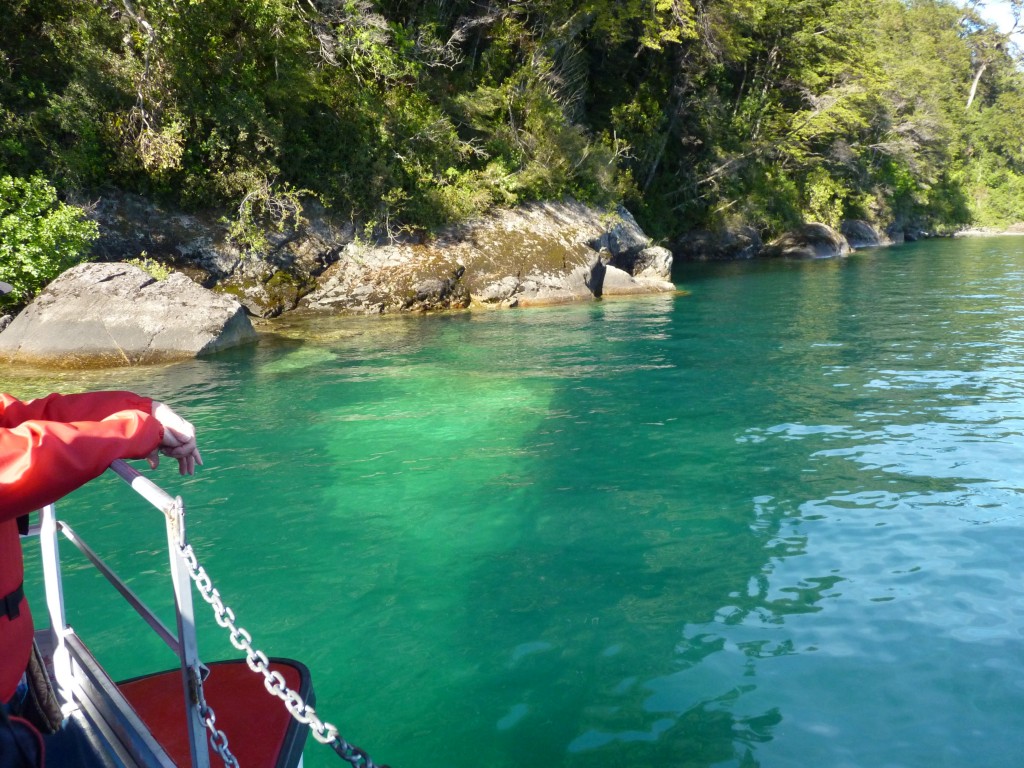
<point x="824" y="198"/>
<point x="151" y="267"/>
<point x="40" y="236"/>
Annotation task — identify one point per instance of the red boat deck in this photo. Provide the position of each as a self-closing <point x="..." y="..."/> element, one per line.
<point x="260" y="731"/>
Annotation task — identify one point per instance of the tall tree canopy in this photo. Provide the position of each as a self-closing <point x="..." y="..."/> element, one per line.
<point x="409" y="114"/>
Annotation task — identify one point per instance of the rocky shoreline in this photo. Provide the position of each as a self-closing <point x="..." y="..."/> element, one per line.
<point x="108" y="312"/>
<point x="1016" y="229"/>
<point x="112" y="313"/>
<point x="534" y="254"/>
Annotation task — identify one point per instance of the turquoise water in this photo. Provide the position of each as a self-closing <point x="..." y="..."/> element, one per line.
<point x="777" y="521"/>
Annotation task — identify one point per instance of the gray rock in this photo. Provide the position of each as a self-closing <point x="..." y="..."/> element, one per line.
<point x="721" y="245"/>
<point x="895" y="233"/>
<point x="654" y="262"/>
<point x="532" y="255"/>
<point x="618" y="282"/>
<point x="391" y="278"/>
<point x="539" y="253"/>
<point x="862" y="234"/>
<point x="622" y="237"/>
<point x="593" y="278"/>
<point x="266" y="283"/>
<point x="435" y="293"/>
<point x="913" y="234"/>
<point x="116" y="314"/>
<point x="811" y="241"/>
<point x="498" y="291"/>
<point x="5" y="320"/>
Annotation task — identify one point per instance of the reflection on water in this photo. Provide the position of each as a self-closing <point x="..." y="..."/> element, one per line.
<point x="773" y="522"/>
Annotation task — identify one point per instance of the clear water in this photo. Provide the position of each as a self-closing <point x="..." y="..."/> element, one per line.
<point x="778" y="521"/>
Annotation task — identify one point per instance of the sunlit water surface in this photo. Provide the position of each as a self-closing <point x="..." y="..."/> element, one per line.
<point x="777" y="521"/>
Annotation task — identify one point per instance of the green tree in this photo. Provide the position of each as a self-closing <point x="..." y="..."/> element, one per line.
<point x="40" y="237"/>
<point x="407" y="114"/>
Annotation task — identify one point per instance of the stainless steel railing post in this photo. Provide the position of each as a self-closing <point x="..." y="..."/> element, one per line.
<point x="188" y="653"/>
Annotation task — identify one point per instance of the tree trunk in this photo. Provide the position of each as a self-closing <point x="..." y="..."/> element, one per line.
<point x="974" y="85"/>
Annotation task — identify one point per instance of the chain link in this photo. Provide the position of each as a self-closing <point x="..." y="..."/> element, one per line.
<point x="218" y="739"/>
<point x="273" y="681"/>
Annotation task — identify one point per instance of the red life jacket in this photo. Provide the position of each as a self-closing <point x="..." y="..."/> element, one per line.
<point x="49" y="447"/>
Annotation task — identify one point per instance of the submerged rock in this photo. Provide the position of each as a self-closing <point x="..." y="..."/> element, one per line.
<point x="116" y="314"/>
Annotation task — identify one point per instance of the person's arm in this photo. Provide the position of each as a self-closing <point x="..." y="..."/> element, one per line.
<point x="86" y="406"/>
<point x="51" y="446"/>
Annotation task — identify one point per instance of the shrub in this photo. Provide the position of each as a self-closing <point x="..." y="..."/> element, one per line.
<point x="151" y="267"/>
<point x="40" y="236"/>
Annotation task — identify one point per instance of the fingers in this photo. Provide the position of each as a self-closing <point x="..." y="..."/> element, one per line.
<point x="179" y="440"/>
<point x="187" y="457"/>
<point x="176" y="429"/>
<point x="187" y="465"/>
<point x="179" y="451"/>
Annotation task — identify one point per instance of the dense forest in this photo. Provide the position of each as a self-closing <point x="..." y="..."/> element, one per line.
<point x="407" y="114"/>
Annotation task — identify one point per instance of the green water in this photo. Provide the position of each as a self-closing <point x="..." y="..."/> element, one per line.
<point x="777" y="521"/>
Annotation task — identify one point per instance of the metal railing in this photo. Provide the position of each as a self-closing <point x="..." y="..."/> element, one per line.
<point x="80" y="679"/>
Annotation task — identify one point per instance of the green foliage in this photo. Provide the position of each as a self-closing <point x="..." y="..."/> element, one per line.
<point x="151" y="267"/>
<point x="408" y="115"/>
<point x="825" y="197"/>
<point x="264" y="209"/>
<point x="40" y="237"/>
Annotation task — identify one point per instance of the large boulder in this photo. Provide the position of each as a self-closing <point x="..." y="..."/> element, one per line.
<point x="390" y="278"/>
<point x="653" y="263"/>
<point x="862" y="234"/>
<point x="811" y="241"/>
<point x="116" y="314"/>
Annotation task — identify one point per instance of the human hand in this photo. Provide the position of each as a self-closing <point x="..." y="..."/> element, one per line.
<point x="179" y="440"/>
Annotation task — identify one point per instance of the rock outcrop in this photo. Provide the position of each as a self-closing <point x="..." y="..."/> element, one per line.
<point x="199" y="246"/>
<point x="116" y="314"/>
<point x="533" y="255"/>
<point x="811" y="241"/>
<point x="862" y="234"/>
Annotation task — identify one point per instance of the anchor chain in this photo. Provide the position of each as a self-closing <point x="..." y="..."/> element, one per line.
<point x="218" y="739"/>
<point x="273" y="681"/>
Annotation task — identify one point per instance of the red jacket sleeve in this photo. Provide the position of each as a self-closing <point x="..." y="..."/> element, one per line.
<point x="50" y="446"/>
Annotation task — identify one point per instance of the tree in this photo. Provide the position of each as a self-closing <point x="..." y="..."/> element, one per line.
<point x="40" y="237"/>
